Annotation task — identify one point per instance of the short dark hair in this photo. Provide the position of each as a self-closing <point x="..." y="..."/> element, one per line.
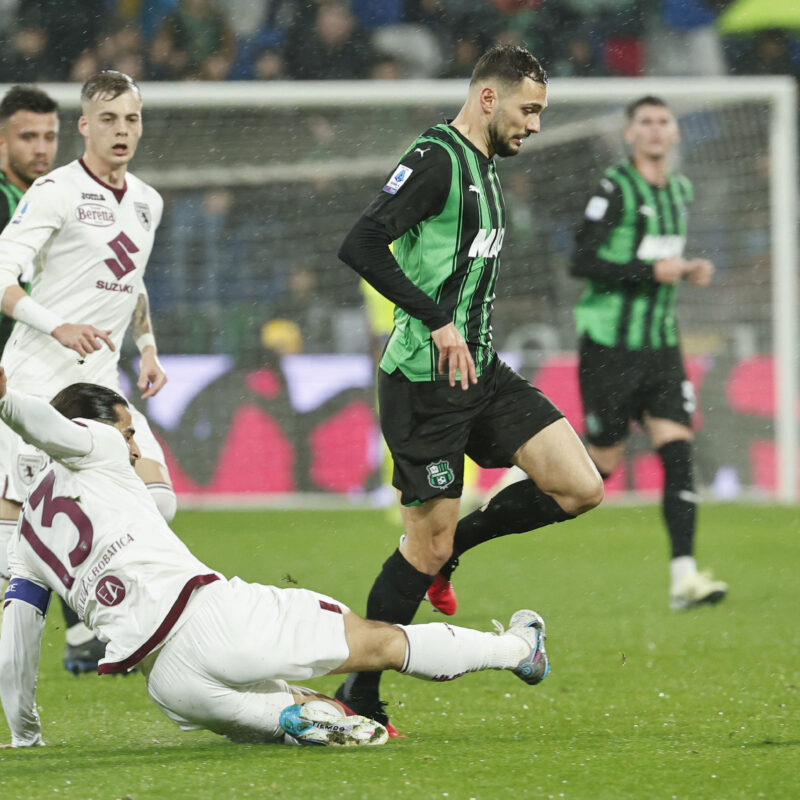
<point x="109" y="83"/>
<point x="647" y="100"/>
<point x="510" y="63"/>
<point x="89" y="401"/>
<point x="26" y="98"/>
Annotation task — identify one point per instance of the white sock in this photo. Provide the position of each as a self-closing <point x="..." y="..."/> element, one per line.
<point x="165" y="499"/>
<point x="438" y="651"/>
<point x="78" y="634"/>
<point x="680" y="567"/>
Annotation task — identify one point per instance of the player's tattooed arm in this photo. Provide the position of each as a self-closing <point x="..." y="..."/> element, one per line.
<point x="151" y="374"/>
<point x="140" y="323"/>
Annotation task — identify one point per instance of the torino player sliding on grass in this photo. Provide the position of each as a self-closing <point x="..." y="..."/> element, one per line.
<point x="216" y="653"/>
<point x="87" y="228"/>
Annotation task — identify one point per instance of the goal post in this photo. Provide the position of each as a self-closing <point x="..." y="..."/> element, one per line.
<point x="262" y="180"/>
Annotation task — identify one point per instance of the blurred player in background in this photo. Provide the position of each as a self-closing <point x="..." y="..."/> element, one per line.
<point x="443" y="392"/>
<point x="630" y="250"/>
<point x="87" y="229"/>
<point x="216" y="654"/>
<point x="28" y="144"/>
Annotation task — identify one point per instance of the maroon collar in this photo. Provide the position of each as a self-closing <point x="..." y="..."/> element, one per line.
<point x="118" y="193"/>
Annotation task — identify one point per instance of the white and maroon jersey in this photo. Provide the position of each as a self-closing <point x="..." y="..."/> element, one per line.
<point x="91" y="532"/>
<point x="88" y="244"/>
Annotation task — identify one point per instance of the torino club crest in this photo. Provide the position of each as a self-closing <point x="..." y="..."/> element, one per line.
<point x="143" y="214"/>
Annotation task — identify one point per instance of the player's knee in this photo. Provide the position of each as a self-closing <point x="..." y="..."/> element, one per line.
<point x="441" y="548"/>
<point x="429" y="551"/>
<point x="165" y="500"/>
<point x="587" y="493"/>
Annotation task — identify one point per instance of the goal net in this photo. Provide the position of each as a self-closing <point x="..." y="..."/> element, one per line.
<point x="263" y="331"/>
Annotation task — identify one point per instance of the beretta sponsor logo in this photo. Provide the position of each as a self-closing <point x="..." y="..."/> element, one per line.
<point x="94" y="214"/>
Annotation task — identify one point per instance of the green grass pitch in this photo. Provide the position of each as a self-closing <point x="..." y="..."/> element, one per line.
<point x="641" y="702"/>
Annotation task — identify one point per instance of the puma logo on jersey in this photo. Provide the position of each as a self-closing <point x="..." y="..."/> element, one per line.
<point x="474" y="188"/>
<point x="487" y="244"/>
<point x="421" y="151"/>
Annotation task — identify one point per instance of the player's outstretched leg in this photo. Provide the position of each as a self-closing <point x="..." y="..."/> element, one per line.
<point x="438" y="651"/>
<point x="442" y="652"/>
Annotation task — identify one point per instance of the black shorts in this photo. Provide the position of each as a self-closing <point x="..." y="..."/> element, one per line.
<point x="429" y="426"/>
<point x="618" y="386"/>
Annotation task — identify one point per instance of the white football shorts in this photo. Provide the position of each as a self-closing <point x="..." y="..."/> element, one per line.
<point x="225" y="669"/>
<point x="20" y="462"/>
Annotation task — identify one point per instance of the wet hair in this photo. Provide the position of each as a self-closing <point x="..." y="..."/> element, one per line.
<point x="89" y="401"/>
<point x="647" y="100"/>
<point x="510" y="64"/>
<point x="26" y="98"/>
<point x="109" y="84"/>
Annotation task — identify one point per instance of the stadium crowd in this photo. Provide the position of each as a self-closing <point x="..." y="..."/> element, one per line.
<point x="57" y="40"/>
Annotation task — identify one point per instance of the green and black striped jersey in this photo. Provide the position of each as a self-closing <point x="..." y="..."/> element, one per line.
<point x="10" y="196"/>
<point x="443" y="207"/>
<point x="628" y="225"/>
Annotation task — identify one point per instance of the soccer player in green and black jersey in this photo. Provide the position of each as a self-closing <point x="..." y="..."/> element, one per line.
<point x="443" y="392"/>
<point x="630" y="250"/>
<point x="28" y="144"/>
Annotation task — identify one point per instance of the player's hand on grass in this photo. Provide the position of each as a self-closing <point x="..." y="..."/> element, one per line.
<point x="83" y="339"/>
<point x="670" y="270"/>
<point x="701" y="270"/>
<point x="151" y="374"/>
<point x="454" y="355"/>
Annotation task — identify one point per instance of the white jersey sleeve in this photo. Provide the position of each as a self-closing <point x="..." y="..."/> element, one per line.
<point x="39" y="215"/>
<point x="39" y="424"/>
<point x="20" y="646"/>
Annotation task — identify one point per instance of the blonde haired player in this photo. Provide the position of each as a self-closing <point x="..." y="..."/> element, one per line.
<point x="216" y="653"/>
<point x="87" y="228"/>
